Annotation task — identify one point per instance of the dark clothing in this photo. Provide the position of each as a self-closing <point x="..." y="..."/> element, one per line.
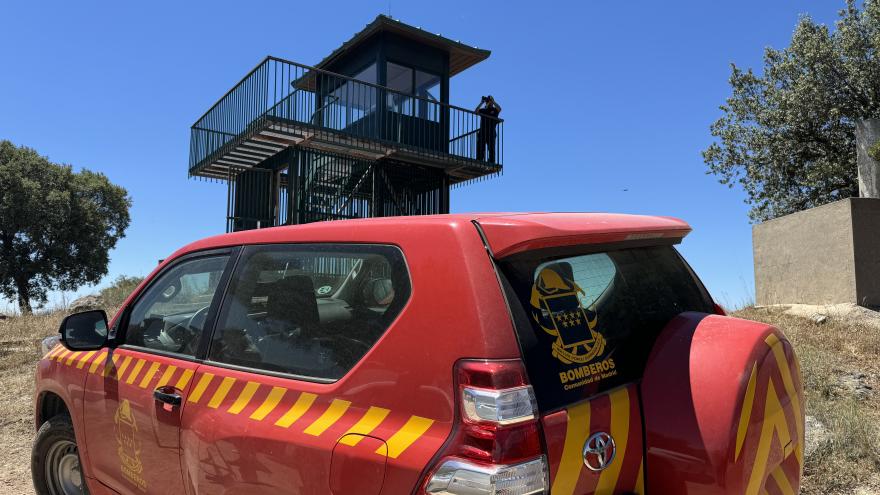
<point x="487" y="134"/>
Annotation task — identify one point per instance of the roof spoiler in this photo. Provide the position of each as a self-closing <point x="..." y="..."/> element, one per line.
<point x="508" y="236"/>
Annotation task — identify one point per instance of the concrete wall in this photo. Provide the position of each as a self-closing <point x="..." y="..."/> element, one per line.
<point x="866" y="237"/>
<point x="805" y="257"/>
<point x="825" y="255"/>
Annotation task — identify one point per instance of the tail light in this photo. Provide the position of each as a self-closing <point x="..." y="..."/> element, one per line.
<point x="495" y="447"/>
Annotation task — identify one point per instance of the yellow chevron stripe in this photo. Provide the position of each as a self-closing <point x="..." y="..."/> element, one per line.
<point x="414" y="428"/>
<point x="382" y="450"/>
<point x="244" y="398"/>
<point x="166" y="376"/>
<point x="620" y="432"/>
<point x="110" y="365"/>
<point x="640" y="481"/>
<point x="785" y="370"/>
<point x="334" y="411"/>
<point x="746" y="412"/>
<point x="134" y="372"/>
<point x="204" y="381"/>
<point x="148" y="377"/>
<point x="184" y="379"/>
<point x="302" y="404"/>
<point x="371" y="419"/>
<point x="269" y="405"/>
<point x="782" y="481"/>
<point x="61" y="355"/>
<point x="71" y="357"/>
<point x="54" y="352"/>
<point x="63" y="358"/>
<point x="122" y="367"/>
<point x="576" y="432"/>
<point x="221" y="392"/>
<point x="97" y="362"/>
<point x="774" y="422"/>
<point x="84" y="359"/>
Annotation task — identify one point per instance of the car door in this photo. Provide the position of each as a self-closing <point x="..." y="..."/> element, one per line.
<point x="274" y="408"/>
<point x="135" y="391"/>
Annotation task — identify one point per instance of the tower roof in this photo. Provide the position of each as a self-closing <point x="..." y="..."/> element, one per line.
<point x="461" y="56"/>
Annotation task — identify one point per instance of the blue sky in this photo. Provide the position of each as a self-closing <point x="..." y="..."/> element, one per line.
<point x="607" y="104"/>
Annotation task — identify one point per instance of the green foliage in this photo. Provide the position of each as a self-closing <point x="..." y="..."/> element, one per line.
<point x="114" y="295"/>
<point x="874" y="151"/>
<point x="57" y="226"/>
<point x="788" y="135"/>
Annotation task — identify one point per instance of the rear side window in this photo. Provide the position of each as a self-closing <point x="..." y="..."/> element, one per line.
<point x="587" y="323"/>
<point x="309" y="310"/>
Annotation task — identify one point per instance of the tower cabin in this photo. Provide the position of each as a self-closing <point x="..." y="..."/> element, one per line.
<point x="367" y="132"/>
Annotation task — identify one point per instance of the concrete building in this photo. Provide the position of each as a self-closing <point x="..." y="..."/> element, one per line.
<point x="824" y="255"/>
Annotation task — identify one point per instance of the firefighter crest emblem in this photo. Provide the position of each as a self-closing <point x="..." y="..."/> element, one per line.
<point x="129" y="445"/>
<point x="557" y="308"/>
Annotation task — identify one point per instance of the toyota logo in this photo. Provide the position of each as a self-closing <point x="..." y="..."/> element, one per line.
<point x="599" y="451"/>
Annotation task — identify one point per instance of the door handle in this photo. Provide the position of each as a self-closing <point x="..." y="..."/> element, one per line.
<point x="169" y="398"/>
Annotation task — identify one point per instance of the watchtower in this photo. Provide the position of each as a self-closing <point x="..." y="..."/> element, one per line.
<point x="367" y="132"/>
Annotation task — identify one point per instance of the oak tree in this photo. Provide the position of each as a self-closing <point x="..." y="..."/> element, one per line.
<point x="787" y="135"/>
<point x="57" y="226"/>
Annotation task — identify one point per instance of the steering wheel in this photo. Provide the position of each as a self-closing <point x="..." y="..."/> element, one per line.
<point x="188" y="332"/>
<point x="202" y="315"/>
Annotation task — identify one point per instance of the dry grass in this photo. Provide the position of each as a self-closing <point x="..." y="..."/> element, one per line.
<point x="847" y="460"/>
<point x="19" y="351"/>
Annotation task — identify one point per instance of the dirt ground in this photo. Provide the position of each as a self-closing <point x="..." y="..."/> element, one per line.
<point x="838" y="358"/>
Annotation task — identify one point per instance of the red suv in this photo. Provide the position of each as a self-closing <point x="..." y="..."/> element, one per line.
<point x="455" y="354"/>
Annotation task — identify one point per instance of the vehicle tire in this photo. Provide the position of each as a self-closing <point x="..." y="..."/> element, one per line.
<point x="55" y="464"/>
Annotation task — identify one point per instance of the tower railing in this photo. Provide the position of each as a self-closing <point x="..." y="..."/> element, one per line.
<point x="285" y="96"/>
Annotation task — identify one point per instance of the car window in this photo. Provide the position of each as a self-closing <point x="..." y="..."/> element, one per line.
<point x="170" y="315"/>
<point x="309" y="310"/>
<point x="590" y="320"/>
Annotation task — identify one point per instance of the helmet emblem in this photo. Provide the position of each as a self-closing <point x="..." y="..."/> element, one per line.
<point x="557" y="308"/>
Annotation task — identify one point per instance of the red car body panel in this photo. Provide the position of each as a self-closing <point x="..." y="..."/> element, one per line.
<point x="378" y="429"/>
<point x="119" y="410"/>
<point x="616" y="412"/>
<point x="55" y="376"/>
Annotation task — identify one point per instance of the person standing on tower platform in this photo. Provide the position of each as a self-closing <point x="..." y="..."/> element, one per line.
<point x="488" y="110"/>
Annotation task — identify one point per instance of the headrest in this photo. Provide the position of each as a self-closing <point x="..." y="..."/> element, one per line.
<point x="293" y="299"/>
<point x="378" y="292"/>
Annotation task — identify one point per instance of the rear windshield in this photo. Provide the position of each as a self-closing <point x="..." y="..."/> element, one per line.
<point x="587" y="322"/>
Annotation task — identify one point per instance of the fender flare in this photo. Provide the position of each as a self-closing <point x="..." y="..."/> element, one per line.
<point x="69" y="387"/>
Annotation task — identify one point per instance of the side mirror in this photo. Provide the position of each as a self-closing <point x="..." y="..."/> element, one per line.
<point x="86" y="331"/>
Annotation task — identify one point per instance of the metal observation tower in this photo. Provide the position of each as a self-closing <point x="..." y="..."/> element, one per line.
<point x="367" y="132"/>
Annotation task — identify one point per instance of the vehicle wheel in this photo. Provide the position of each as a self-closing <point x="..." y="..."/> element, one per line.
<point x="55" y="465"/>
